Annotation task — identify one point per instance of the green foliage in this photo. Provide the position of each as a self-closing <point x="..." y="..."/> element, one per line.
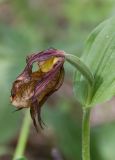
<point x="99" y="56"/>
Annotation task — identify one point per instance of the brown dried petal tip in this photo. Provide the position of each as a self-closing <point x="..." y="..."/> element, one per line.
<point x="31" y="89"/>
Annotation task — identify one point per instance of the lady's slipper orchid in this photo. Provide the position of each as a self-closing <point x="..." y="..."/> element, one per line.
<point x="31" y="89"/>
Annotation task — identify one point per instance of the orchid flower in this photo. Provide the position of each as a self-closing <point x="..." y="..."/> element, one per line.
<point x="32" y="88"/>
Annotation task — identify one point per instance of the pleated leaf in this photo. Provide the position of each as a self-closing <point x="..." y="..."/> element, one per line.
<point x="99" y="56"/>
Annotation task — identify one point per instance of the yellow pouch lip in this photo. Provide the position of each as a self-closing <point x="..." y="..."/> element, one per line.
<point x="47" y="65"/>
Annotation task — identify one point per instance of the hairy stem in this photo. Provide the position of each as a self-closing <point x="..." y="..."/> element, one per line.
<point x="19" y="152"/>
<point x="86" y="134"/>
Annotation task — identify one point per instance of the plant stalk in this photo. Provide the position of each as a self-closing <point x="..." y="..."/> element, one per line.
<point x="19" y="152"/>
<point x="85" y="71"/>
<point x="86" y="134"/>
<point x="81" y="66"/>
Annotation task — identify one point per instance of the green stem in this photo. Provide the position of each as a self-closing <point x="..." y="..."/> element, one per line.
<point x="85" y="71"/>
<point x="86" y="127"/>
<point x="19" y="152"/>
<point x="86" y="134"/>
<point x="81" y="66"/>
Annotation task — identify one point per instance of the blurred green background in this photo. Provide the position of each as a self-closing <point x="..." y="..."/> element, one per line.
<point x="28" y="26"/>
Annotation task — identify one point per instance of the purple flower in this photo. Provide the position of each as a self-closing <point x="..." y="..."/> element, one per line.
<point x="32" y="88"/>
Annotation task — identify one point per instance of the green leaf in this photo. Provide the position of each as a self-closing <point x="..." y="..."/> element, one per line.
<point x="99" y="56"/>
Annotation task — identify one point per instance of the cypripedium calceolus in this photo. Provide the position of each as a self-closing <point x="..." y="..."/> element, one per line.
<point x="32" y="88"/>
